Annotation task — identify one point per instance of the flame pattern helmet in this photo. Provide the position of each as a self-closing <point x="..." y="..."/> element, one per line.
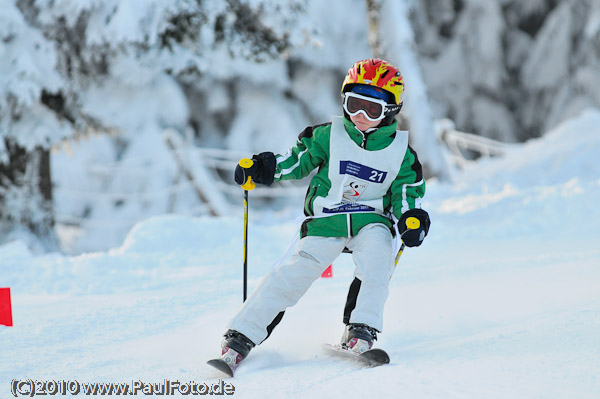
<point x="377" y="73"/>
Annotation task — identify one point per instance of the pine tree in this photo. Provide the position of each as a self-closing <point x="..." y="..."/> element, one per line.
<point x="55" y="56"/>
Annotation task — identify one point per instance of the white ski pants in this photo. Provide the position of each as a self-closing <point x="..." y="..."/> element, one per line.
<point x="283" y="286"/>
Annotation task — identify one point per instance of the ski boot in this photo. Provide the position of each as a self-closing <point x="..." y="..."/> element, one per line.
<point x="235" y="348"/>
<point x="358" y="337"/>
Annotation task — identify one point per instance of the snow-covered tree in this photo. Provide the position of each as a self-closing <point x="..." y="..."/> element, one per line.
<point x="561" y="72"/>
<point x="509" y="70"/>
<point x="28" y="124"/>
<point x="72" y="67"/>
<point x="392" y="38"/>
<point x="249" y="75"/>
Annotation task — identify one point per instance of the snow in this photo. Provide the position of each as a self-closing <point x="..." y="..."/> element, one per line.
<point x="501" y="300"/>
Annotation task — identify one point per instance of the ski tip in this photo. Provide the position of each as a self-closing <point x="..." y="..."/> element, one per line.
<point x="377" y="356"/>
<point x="221" y="366"/>
<point x="371" y="358"/>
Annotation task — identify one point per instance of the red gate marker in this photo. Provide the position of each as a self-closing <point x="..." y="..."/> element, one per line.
<point x="328" y="272"/>
<point x="5" y="307"/>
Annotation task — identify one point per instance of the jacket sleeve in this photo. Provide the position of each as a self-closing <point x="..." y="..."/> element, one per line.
<point x="309" y="152"/>
<point x="409" y="187"/>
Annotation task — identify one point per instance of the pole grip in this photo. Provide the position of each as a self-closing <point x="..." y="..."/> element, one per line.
<point x="412" y="223"/>
<point x="247" y="163"/>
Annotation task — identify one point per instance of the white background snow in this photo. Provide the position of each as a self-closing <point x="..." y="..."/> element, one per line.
<point x="501" y="301"/>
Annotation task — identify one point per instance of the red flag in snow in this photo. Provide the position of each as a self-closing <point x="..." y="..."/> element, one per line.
<point x="5" y="307"/>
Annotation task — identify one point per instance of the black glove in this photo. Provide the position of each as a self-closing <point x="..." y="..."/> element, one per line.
<point x="262" y="170"/>
<point x="414" y="237"/>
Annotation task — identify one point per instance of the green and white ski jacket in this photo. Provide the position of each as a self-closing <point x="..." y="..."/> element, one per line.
<point x="362" y="178"/>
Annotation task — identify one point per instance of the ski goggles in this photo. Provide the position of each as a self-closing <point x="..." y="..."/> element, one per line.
<point x="372" y="108"/>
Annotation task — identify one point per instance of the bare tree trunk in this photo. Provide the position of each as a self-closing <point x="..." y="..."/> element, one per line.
<point x="373" y="13"/>
<point x="391" y="38"/>
<point x="26" y="194"/>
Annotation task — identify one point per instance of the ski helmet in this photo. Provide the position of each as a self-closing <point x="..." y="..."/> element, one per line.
<point x="377" y="73"/>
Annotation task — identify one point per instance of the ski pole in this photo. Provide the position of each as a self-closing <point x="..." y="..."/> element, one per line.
<point x="411" y="223"/>
<point x="247" y="186"/>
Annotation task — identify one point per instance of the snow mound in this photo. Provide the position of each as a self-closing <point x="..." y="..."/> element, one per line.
<point x="545" y="188"/>
<point x="569" y="151"/>
<point x="173" y="233"/>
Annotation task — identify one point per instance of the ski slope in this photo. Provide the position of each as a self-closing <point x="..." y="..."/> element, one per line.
<point x="501" y="301"/>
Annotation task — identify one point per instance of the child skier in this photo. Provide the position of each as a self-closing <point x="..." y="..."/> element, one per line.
<point x="367" y="177"/>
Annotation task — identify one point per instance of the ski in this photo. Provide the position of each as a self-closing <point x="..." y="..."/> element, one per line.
<point x="228" y="362"/>
<point x="221" y="365"/>
<point x="370" y="358"/>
